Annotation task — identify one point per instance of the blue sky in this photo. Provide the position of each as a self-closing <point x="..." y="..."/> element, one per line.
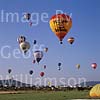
<point x="85" y="29"/>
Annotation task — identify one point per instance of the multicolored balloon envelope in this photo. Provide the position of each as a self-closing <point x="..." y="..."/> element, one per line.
<point x="38" y="55"/>
<point x="27" y="16"/>
<point x="60" y="24"/>
<point x="21" y="39"/>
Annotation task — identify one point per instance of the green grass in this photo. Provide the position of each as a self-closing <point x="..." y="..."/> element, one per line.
<point x="40" y="95"/>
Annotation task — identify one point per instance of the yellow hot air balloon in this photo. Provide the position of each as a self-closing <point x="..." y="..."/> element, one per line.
<point x="78" y="66"/>
<point x="49" y="84"/>
<point x="95" y="91"/>
<point x="60" y="24"/>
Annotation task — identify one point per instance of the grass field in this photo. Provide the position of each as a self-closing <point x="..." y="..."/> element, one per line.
<point x="40" y="95"/>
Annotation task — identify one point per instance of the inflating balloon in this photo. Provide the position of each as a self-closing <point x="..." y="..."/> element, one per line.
<point x="95" y="91"/>
<point x="60" y="24"/>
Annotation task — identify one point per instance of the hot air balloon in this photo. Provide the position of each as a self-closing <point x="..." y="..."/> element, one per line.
<point x="46" y="49"/>
<point x="95" y="91"/>
<point x="94" y="65"/>
<point x="38" y="55"/>
<point x="71" y="40"/>
<point x="31" y="72"/>
<point x="45" y="66"/>
<point x="49" y="83"/>
<point x="78" y="66"/>
<point x="59" y="66"/>
<point x="60" y="24"/>
<point x="34" y="42"/>
<point x="21" y="39"/>
<point x="9" y="71"/>
<point x="27" y="16"/>
<point x="42" y="74"/>
<point x="24" y="46"/>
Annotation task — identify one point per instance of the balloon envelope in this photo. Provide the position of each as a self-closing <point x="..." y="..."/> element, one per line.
<point x="78" y="66"/>
<point x="34" y="42"/>
<point x="21" y="39"/>
<point x="27" y="16"/>
<point x="9" y="71"/>
<point x="45" y="66"/>
<point x="31" y="72"/>
<point x="94" y="65"/>
<point x="60" y="24"/>
<point x="42" y="74"/>
<point x="71" y="40"/>
<point x="49" y="83"/>
<point x="38" y="55"/>
<point x="25" y="46"/>
<point x="95" y="91"/>
<point x="46" y="49"/>
<point x="59" y="64"/>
